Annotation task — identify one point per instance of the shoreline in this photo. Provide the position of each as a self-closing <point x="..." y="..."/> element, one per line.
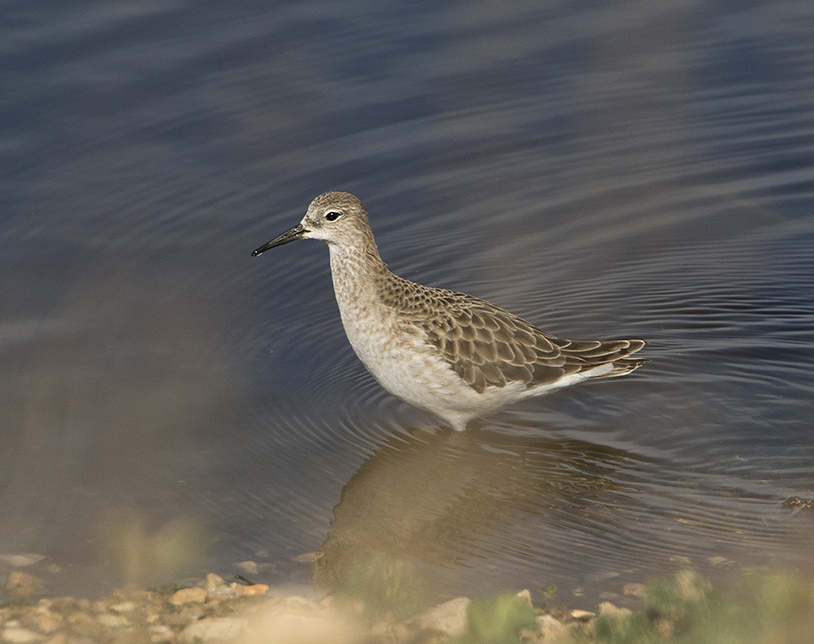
<point x="781" y="605"/>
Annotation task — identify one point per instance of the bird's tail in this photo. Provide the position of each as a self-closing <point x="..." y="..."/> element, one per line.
<point x="623" y="365"/>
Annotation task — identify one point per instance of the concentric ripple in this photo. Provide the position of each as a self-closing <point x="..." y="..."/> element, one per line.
<point x="601" y="172"/>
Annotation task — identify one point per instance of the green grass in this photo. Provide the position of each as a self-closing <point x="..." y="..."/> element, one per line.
<point x="497" y="620"/>
<point x="760" y="609"/>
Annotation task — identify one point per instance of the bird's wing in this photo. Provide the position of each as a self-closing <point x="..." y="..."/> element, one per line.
<point x="486" y="345"/>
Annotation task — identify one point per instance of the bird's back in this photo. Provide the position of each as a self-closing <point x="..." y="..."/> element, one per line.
<point x="488" y="346"/>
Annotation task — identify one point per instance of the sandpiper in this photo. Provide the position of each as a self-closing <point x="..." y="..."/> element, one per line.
<point x="454" y="355"/>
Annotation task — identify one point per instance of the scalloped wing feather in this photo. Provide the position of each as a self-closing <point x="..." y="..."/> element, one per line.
<point x="487" y="346"/>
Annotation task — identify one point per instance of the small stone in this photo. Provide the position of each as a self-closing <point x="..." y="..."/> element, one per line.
<point x="22" y="560"/>
<point x="255" y="589"/>
<point x="721" y="562"/>
<point x="292" y="604"/>
<point x="448" y="618"/>
<point x="84" y="625"/>
<point x="19" y="635"/>
<point x="798" y="504"/>
<point x="123" y="607"/>
<point x="392" y="633"/>
<point x="59" y="638"/>
<point x="530" y="636"/>
<point x="562" y="614"/>
<point x="549" y="627"/>
<point x="113" y="621"/>
<point x="249" y="567"/>
<point x="218" y="628"/>
<point x="48" y="622"/>
<point x="161" y="633"/>
<point x="180" y="619"/>
<point x="525" y="594"/>
<point x="637" y="590"/>
<point x="64" y="605"/>
<point x="188" y="595"/>
<point x="296" y="619"/>
<point x="214" y="581"/>
<point x="266" y="568"/>
<point x="607" y="608"/>
<point x="21" y="584"/>
<point x="664" y="626"/>
<point x="691" y="585"/>
<point x="601" y="577"/>
<point x="582" y="615"/>
<point x="223" y="592"/>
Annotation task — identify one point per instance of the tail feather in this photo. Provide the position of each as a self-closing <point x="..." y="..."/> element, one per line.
<point x="621" y="363"/>
<point x="621" y="367"/>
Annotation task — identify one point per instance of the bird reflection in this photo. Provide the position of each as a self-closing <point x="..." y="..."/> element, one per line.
<point x="437" y="498"/>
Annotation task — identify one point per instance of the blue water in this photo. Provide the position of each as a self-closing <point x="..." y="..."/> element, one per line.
<point x="636" y="169"/>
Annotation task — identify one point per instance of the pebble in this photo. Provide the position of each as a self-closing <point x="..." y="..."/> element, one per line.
<point x="637" y="590"/>
<point x="188" y="595"/>
<point x="254" y="589"/>
<point x="22" y="560"/>
<point x="549" y="627"/>
<point x="113" y="621"/>
<point x="188" y="614"/>
<point x="64" y="605"/>
<point x="249" y="567"/>
<point x="217" y="628"/>
<point x="48" y="622"/>
<point x="525" y="594"/>
<point x="161" y="633"/>
<point x="21" y="584"/>
<point x="214" y="581"/>
<point x="607" y="608"/>
<point x="297" y="620"/>
<point x="223" y="592"/>
<point x="84" y="625"/>
<point x="123" y="607"/>
<point x="448" y="618"/>
<point x="59" y="638"/>
<point x="19" y="635"/>
<point x="208" y="613"/>
<point x="721" y="562"/>
<point x="290" y="604"/>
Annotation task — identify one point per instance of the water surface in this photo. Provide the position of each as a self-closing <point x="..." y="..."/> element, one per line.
<point x="634" y="170"/>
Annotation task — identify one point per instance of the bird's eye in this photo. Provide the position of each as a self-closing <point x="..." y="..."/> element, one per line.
<point x="332" y="215"/>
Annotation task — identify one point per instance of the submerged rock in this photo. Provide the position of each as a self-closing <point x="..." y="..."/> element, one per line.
<point x="21" y="584"/>
<point x="188" y="595"/>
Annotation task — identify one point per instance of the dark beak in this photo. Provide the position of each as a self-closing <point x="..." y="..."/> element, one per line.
<point x="288" y="236"/>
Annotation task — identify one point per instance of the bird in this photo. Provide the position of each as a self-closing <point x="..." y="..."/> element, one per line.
<point x="454" y="355"/>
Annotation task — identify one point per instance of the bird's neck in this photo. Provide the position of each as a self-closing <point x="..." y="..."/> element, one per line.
<point x="359" y="275"/>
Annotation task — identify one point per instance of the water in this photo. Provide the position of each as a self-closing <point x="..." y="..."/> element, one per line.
<point x="633" y="169"/>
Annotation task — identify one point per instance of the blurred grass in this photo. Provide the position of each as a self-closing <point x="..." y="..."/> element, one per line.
<point x="379" y="587"/>
<point x="497" y="620"/>
<point x="759" y="609"/>
<point x="143" y="555"/>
